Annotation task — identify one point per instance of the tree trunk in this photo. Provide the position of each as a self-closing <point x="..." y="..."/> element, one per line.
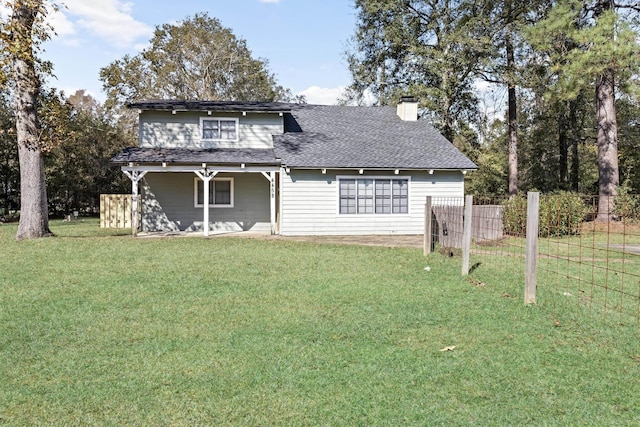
<point x="512" y="118"/>
<point x="607" y="137"/>
<point x="563" y="148"/>
<point x="575" y="144"/>
<point x="34" y="219"/>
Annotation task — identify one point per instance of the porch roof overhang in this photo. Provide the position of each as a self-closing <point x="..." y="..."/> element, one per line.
<point x="156" y="159"/>
<point x="218" y="106"/>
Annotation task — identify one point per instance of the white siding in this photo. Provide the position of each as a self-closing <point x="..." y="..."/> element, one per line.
<point x="182" y="130"/>
<point x="168" y="204"/>
<point x="310" y="203"/>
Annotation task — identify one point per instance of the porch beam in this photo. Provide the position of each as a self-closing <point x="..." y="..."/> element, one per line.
<point x="272" y="194"/>
<point x="271" y="177"/>
<point x="206" y="176"/>
<point x="135" y="177"/>
<point x="194" y="168"/>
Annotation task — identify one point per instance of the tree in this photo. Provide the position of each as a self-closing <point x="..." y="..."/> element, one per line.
<point x="197" y="58"/>
<point x="604" y="55"/>
<point x="22" y="34"/>
<point x="437" y="50"/>
<point x="80" y="140"/>
<point x="507" y="61"/>
<point x="427" y="48"/>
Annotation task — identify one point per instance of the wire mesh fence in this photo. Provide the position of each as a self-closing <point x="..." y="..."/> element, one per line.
<point x="588" y="262"/>
<point x="591" y="260"/>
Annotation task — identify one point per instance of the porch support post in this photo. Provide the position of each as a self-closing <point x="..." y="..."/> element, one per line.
<point x="206" y="176"/>
<point x="135" y="177"/>
<point x="271" y="177"/>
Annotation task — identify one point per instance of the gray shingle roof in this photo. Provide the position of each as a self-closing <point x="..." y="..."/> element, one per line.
<point x="250" y="156"/>
<point x="323" y="136"/>
<point x="317" y="136"/>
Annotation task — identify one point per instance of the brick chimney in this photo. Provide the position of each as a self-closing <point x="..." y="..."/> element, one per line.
<point x="408" y="108"/>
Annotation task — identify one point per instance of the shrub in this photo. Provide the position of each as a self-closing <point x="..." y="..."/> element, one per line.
<point x="627" y="206"/>
<point x="514" y="217"/>
<point x="561" y="214"/>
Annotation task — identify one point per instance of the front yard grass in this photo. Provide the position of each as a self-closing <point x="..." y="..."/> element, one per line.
<point x="98" y="328"/>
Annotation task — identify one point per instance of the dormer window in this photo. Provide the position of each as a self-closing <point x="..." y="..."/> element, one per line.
<point x="219" y="129"/>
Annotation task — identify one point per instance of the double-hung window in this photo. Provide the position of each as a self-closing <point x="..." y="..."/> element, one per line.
<point x="219" y="129"/>
<point x="373" y="195"/>
<point x="220" y="192"/>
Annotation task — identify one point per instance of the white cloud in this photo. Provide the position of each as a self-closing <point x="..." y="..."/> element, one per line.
<point x="60" y="23"/>
<point x="110" y="20"/>
<point x="323" y="96"/>
<point x="270" y="1"/>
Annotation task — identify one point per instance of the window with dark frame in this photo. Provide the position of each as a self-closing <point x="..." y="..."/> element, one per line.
<point x="220" y="192"/>
<point x="219" y="129"/>
<point x="373" y="196"/>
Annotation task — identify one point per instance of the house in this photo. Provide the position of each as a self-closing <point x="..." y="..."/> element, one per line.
<point x="289" y="169"/>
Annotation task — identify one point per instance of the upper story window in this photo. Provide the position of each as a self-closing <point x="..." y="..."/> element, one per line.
<point x="373" y="195"/>
<point x="219" y="129"/>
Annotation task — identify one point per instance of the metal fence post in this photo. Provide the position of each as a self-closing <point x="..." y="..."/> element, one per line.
<point x="466" y="234"/>
<point x="428" y="238"/>
<point x="531" y="256"/>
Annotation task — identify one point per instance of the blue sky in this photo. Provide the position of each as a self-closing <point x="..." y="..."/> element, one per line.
<point x="303" y="40"/>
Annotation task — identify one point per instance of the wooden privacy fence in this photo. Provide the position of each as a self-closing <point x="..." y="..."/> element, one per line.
<point x="115" y="211"/>
<point x="447" y="224"/>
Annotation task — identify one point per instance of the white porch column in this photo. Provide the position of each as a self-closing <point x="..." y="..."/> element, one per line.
<point x="206" y="176"/>
<point x="271" y="177"/>
<point x="135" y="176"/>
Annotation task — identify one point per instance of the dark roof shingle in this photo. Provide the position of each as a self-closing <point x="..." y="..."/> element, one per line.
<point x="323" y="136"/>
<point x="251" y="156"/>
<point x="318" y="136"/>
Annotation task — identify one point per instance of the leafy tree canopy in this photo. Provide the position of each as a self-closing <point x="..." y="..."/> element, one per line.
<point x="428" y="49"/>
<point x="197" y="58"/>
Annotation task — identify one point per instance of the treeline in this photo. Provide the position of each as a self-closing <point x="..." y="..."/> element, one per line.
<point x="557" y="148"/>
<point x="78" y="138"/>
<point x="558" y="109"/>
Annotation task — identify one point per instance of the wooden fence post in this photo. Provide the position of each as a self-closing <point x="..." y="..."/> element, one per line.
<point x="466" y="234"/>
<point x="428" y="237"/>
<point x="531" y="257"/>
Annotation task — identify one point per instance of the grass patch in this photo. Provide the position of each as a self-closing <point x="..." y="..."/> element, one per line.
<point x="111" y="330"/>
<point x="598" y="271"/>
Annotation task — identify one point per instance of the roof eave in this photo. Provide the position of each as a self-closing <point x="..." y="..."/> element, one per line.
<point x="214" y="106"/>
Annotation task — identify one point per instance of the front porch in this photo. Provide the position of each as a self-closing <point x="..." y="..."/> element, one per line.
<point x="240" y="198"/>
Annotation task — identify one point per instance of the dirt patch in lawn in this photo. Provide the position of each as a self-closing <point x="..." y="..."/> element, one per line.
<point x="407" y="241"/>
<point x="388" y="241"/>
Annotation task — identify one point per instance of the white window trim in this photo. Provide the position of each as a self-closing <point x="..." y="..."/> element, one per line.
<point x="228" y="119"/>
<point x="374" y="177"/>
<point x="212" y="202"/>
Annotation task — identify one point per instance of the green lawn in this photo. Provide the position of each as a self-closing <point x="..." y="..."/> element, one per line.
<point x="103" y="329"/>
<point x="590" y="270"/>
